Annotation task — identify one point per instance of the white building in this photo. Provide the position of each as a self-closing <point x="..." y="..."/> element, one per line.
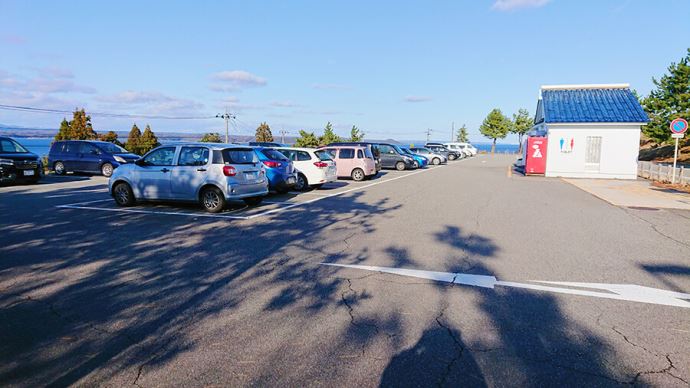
<point x="593" y="131"/>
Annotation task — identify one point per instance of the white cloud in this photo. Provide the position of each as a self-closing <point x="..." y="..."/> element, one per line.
<point x="509" y="5"/>
<point x="150" y="103"/>
<point x="232" y="80"/>
<point x="417" y="99"/>
<point x="285" y="104"/>
<point x="49" y="81"/>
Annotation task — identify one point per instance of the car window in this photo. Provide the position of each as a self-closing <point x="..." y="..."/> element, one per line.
<point x="386" y="149"/>
<point x="112" y="148"/>
<point x="290" y="154"/>
<point x="359" y="154"/>
<point x="367" y="153"/>
<point x="273" y="154"/>
<point x="88" y="148"/>
<point x="160" y="157"/>
<point x="11" y="147"/>
<point x="193" y="156"/>
<point x="239" y="156"/>
<point x="323" y="155"/>
<point x="347" y="153"/>
<point x="331" y="152"/>
<point x="302" y="156"/>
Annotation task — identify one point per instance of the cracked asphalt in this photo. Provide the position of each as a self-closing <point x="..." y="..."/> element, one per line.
<point x="106" y="298"/>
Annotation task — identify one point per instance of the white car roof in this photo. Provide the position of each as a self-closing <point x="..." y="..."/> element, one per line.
<point x="296" y="149"/>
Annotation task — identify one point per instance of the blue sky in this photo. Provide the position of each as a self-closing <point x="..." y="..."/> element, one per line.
<point x="392" y="68"/>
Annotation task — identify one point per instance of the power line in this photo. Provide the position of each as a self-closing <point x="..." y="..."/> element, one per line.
<point x="102" y="114"/>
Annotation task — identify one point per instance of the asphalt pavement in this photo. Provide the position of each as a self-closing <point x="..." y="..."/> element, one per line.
<point x="441" y="282"/>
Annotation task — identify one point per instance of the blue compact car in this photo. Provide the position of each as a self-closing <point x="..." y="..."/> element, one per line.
<point x="280" y="171"/>
<point x="88" y="156"/>
<point x="423" y="162"/>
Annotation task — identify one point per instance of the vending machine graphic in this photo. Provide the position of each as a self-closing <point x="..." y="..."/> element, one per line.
<point x="535" y="156"/>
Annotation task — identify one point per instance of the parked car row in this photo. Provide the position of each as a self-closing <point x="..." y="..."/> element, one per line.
<point x="214" y="174"/>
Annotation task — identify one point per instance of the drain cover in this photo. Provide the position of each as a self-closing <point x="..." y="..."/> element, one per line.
<point x="642" y="208"/>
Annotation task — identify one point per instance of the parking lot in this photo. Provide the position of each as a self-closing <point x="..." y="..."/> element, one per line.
<point x="457" y="275"/>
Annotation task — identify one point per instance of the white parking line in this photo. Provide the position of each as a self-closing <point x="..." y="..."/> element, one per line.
<point x="78" y="205"/>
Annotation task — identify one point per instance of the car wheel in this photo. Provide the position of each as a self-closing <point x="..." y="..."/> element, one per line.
<point x="451" y="157"/>
<point x="436" y="161"/>
<point x="415" y="164"/>
<point x="358" y="174"/>
<point x="302" y="184"/>
<point x="59" y="168"/>
<point x="107" y="170"/>
<point x="400" y="166"/>
<point x="212" y="199"/>
<point x="123" y="194"/>
<point x="253" y="201"/>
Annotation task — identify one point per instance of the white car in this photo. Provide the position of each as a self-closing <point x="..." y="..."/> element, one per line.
<point x="314" y="167"/>
<point x="466" y="148"/>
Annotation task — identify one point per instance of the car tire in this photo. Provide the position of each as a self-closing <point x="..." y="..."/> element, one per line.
<point x="59" y="168"/>
<point x="253" y="201"/>
<point x="123" y="194"/>
<point x="436" y="161"/>
<point x="107" y="170"/>
<point x="451" y="157"/>
<point x="357" y="175"/>
<point x="302" y="184"/>
<point x="415" y="164"/>
<point x="212" y="199"/>
<point x="400" y="166"/>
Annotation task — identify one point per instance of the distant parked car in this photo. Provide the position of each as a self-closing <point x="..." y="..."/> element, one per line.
<point x="17" y="163"/>
<point x="88" y="156"/>
<point x="443" y="150"/>
<point x="356" y="162"/>
<point x="419" y="159"/>
<point x="467" y="148"/>
<point x="393" y="157"/>
<point x="373" y="148"/>
<point x="314" y="167"/>
<point x="279" y="169"/>
<point x="208" y="174"/>
<point x="433" y="157"/>
<point x="266" y="144"/>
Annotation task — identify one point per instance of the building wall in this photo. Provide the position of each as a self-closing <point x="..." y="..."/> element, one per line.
<point x="620" y="145"/>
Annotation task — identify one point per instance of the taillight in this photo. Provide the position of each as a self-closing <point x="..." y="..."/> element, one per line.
<point x="271" y="164"/>
<point x="321" y="164"/>
<point x="229" y="171"/>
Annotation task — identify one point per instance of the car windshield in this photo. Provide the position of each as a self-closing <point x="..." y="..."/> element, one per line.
<point x="9" y="146"/>
<point x="398" y="149"/>
<point x="239" y="156"/>
<point x="405" y="150"/>
<point x="273" y="154"/>
<point x="323" y="155"/>
<point x="112" y="148"/>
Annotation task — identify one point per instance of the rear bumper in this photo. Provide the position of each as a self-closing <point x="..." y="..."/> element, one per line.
<point x="281" y="181"/>
<point x="11" y="174"/>
<point x="237" y="191"/>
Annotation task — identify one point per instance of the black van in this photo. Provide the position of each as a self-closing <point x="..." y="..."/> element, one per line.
<point x="88" y="156"/>
<point x="373" y="147"/>
<point x="17" y="163"/>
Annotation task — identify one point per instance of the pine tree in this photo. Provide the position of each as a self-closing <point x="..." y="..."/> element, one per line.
<point x="355" y="134"/>
<point x="328" y="135"/>
<point x="307" y="139"/>
<point x="670" y="100"/>
<point x="65" y="132"/>
<point x="521" y="124"/>
<point x="495" y="126"/>
<point x="133" y="143"/>
<point x="111" y="137"/>
<point x="211" y="138"/>
<point x="263" y="133"/>
<point x="148" y="140"/>
<point x="80" y="126"/>
<point x="462" y="135"/>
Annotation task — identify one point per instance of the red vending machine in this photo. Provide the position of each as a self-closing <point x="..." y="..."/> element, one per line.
<point x="535" y="156"/>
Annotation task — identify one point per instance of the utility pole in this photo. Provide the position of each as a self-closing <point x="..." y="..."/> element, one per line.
<point x="428" y="134"/>
<point x="452" y="131"/>
<point x="282" y="135"/>
<point x="226" y="116"/>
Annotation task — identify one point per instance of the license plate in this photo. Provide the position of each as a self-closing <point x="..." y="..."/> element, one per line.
<point x="291" y="180"/>
<point x="28" y="172"/>
<point x="250" y="176"/>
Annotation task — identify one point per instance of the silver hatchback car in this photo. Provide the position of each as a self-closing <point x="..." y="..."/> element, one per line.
<point x="210" y="174"/>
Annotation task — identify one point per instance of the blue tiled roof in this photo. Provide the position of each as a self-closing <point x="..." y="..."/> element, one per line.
<point x="617" y="105"/>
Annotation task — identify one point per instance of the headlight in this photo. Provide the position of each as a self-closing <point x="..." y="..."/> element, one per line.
<point x="6" y="162"/>
<point x="407" y="159"/>
<point x="119" y="159"/>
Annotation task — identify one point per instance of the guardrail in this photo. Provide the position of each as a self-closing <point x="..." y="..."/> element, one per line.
<point x="663" y="172"/>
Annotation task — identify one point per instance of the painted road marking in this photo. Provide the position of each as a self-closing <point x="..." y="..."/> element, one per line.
<point x="288" y="205"/>
<point x="626" y="292"/>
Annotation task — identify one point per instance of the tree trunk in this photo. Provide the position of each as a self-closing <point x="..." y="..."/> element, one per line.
<point x="493" y="146"/>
